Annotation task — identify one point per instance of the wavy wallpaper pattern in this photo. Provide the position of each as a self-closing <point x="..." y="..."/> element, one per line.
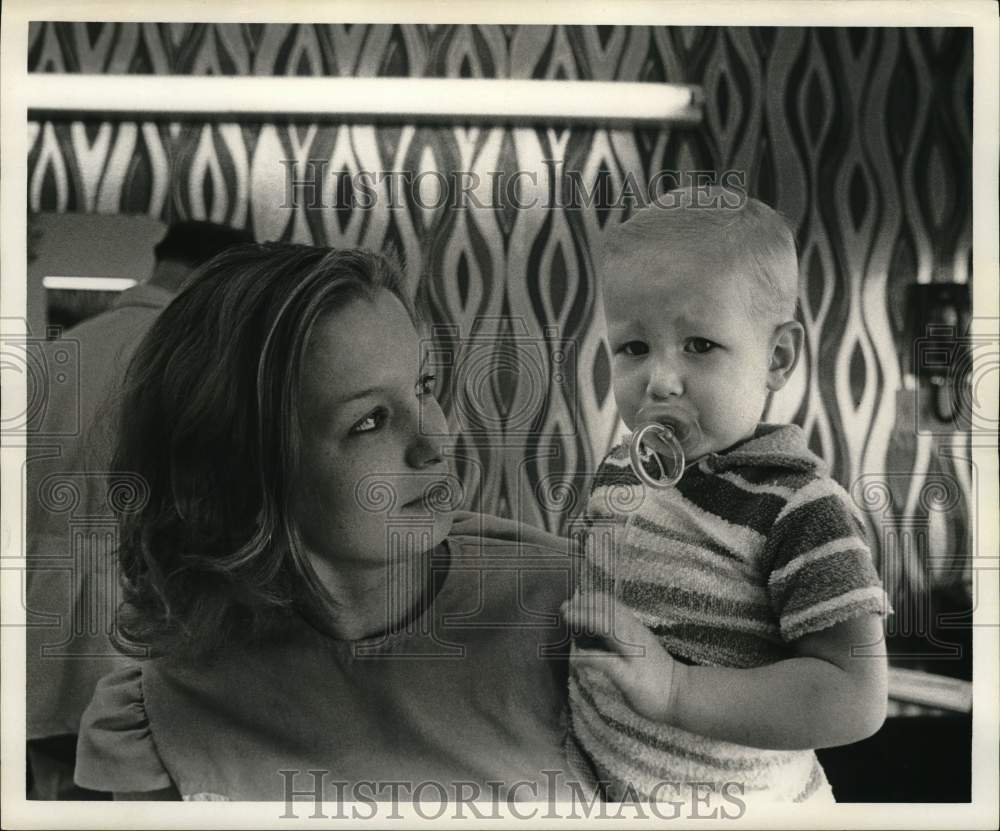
<point x="861" y="137"/>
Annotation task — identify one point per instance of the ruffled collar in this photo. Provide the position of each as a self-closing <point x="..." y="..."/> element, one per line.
<point x="771" y="445"/>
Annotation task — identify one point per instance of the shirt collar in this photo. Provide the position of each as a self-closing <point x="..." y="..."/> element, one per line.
<point x="772" y="445"/>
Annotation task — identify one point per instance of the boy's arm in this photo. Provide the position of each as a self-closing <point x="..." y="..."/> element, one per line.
<point x="824" y="696"/>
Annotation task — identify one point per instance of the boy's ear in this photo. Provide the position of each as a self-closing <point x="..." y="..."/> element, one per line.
<point x="786" y="346"/>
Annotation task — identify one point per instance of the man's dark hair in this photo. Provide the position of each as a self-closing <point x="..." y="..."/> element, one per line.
<point x="193" y="243"/>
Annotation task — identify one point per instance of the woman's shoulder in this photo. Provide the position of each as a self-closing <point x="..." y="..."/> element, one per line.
<point x="484" y="531"/>
<point x="116" y="750"/>
<point x="525" y="564"/>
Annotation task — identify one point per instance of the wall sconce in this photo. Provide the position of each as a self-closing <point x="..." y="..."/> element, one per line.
<point x="228" y="98"/>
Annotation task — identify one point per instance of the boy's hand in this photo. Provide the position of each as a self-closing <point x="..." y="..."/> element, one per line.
<point x="628" y="654"/>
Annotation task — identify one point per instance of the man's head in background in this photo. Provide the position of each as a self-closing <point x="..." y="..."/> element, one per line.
<point x="185" y="246"/>
<point x="189" y="244"/>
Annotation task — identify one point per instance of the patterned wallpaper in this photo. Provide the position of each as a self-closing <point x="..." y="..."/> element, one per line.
<point x="861" y="137"/>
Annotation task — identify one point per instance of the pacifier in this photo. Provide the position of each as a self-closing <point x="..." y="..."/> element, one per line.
<point x="655" y="449"/>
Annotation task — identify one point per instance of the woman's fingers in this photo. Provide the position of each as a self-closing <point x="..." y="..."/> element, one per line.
<point x="597" y="659"/>
<point x="613" y="666"/>
<point x="599" y="618"/>
<point x="581" y="618"/>
<point x="591" y="613"/>
<point x="611" y="641"/>
<point x="601" y="613"/>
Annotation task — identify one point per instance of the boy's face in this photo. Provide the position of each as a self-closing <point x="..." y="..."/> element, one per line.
<point x="685" y="349"/>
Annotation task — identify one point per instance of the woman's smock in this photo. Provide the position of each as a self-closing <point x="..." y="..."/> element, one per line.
<point x="473" y="692"/>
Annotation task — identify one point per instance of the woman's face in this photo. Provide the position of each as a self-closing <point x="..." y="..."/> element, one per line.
<point x="372" y="438"/>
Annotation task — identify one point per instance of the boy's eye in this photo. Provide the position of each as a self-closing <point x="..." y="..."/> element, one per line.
<point x="700" y="345"/>
<point x="371" y="422"/>
<point x="635" y="348"/>
<point x="425" y="386"/>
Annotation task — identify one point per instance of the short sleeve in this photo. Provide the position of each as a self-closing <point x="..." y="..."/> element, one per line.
<point x="822" y="572"/>
<point x="115" y="750"/>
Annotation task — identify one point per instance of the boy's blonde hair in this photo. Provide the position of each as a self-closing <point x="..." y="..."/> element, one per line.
<point x="739" y="232"/>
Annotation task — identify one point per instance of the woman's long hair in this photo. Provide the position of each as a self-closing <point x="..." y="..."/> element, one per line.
<point x="209" y="441"/>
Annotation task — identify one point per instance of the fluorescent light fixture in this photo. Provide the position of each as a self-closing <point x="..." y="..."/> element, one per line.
<point x="376" y="99"/>
<point x="88" y="283"/>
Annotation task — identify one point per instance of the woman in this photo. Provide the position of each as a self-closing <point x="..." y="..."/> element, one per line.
<point x="289" y="565"/>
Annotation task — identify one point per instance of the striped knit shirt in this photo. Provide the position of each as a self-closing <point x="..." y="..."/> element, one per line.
<point x="754" y="548"/>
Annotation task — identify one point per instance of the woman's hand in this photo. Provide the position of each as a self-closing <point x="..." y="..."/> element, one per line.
<point x="629" y="654"/>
